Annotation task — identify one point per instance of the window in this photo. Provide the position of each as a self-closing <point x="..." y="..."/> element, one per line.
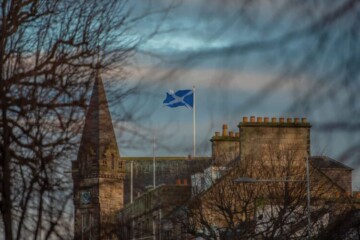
<point x="112" y="161"/>
<point x="182" y="229"/>
<point x="168" y="234"/>
<point x="91" y="225"/>
<point x="85" y="221"/>
<point x="120" y="164"/>
<point x="146" y="168"/>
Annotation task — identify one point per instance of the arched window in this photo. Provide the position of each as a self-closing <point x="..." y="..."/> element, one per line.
<point x="120" y="164"/>
<point x="112" y="161"/>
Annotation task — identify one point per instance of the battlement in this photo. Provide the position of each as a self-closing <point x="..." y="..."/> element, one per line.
<point x="274" y="122"/>
<point x="260" y="131"/>
<point x="280" y="122"/>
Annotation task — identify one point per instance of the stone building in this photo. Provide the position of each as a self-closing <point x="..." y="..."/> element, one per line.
<point x="168" y="171"/>
<point x="102" y="179"/>
<point x="146" y="216"/>
<point x="262" y="149"/>
<point x="98" y="172"/>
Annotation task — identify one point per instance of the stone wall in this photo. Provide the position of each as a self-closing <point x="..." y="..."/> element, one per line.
<point x="225" y="147"/>
<point x="277" y="143"/>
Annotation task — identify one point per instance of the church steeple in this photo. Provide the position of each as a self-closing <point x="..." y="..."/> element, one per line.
<point x="98" y="147"/>
<point x="98" y="172"/>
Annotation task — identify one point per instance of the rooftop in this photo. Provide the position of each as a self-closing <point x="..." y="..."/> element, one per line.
<point x="327" y="162"/>
<point x="274" y="122"/>
<point x="163" y="196"/>
<point x="165" y="158"/>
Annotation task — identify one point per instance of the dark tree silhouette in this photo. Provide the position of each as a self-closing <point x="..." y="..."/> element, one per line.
<point x="269" y="209"/>
<point x="49" y="51"/>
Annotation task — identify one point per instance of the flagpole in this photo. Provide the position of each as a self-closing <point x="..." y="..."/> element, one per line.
<point x="131" y="181"/>
<point x="154" y="165"/>
<point x="194" y="129"/>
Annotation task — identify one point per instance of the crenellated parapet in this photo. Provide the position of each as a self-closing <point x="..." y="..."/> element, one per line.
<point x="275" y="122"/>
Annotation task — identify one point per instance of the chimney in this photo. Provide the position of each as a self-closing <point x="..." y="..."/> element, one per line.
<point x="259" y="119"/>
<point x="245" y="119"/>
<point x="281" y="120"/>
<point x="225" y="132"/>
<point x="231" y="134"/>
<point x="217" y="134"/>
<point x="266" y="119"/>
<point x="273" y="119"/>
<point x="289" y="120"/>
<point x="237" y="134"/>
<point x="297" y="120"/>
<point x="252" y="119"/>
<point x="303" y="120"/>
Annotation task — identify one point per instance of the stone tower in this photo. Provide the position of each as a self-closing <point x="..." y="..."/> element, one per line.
<point x="98" y="172"/>
<point x="275" y="148"/>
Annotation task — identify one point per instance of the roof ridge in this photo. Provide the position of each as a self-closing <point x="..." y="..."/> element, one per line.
<point x="332" y="160"/>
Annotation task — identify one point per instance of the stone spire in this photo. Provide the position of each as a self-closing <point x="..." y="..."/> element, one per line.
<point x="98" y="173"/>
<point x="98" y="138"/>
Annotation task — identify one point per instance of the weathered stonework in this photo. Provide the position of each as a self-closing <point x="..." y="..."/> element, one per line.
<point x="98" y="172"/>
<point x="274" y="144"/>
<point x="102" y="180"/>
<point x="261" y="150"/>
<point x="225" y="148"/>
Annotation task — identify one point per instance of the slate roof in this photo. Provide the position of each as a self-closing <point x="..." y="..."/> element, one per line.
<point x="327" y="162"/>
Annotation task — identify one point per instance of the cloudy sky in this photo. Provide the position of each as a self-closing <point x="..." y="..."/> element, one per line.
<point x="265" y="58"/>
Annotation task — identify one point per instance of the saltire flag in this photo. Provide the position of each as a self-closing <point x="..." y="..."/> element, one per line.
<point x="179" y="98"/>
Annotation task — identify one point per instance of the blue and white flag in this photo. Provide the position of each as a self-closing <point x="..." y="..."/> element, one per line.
<point x="179" y="98"/>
